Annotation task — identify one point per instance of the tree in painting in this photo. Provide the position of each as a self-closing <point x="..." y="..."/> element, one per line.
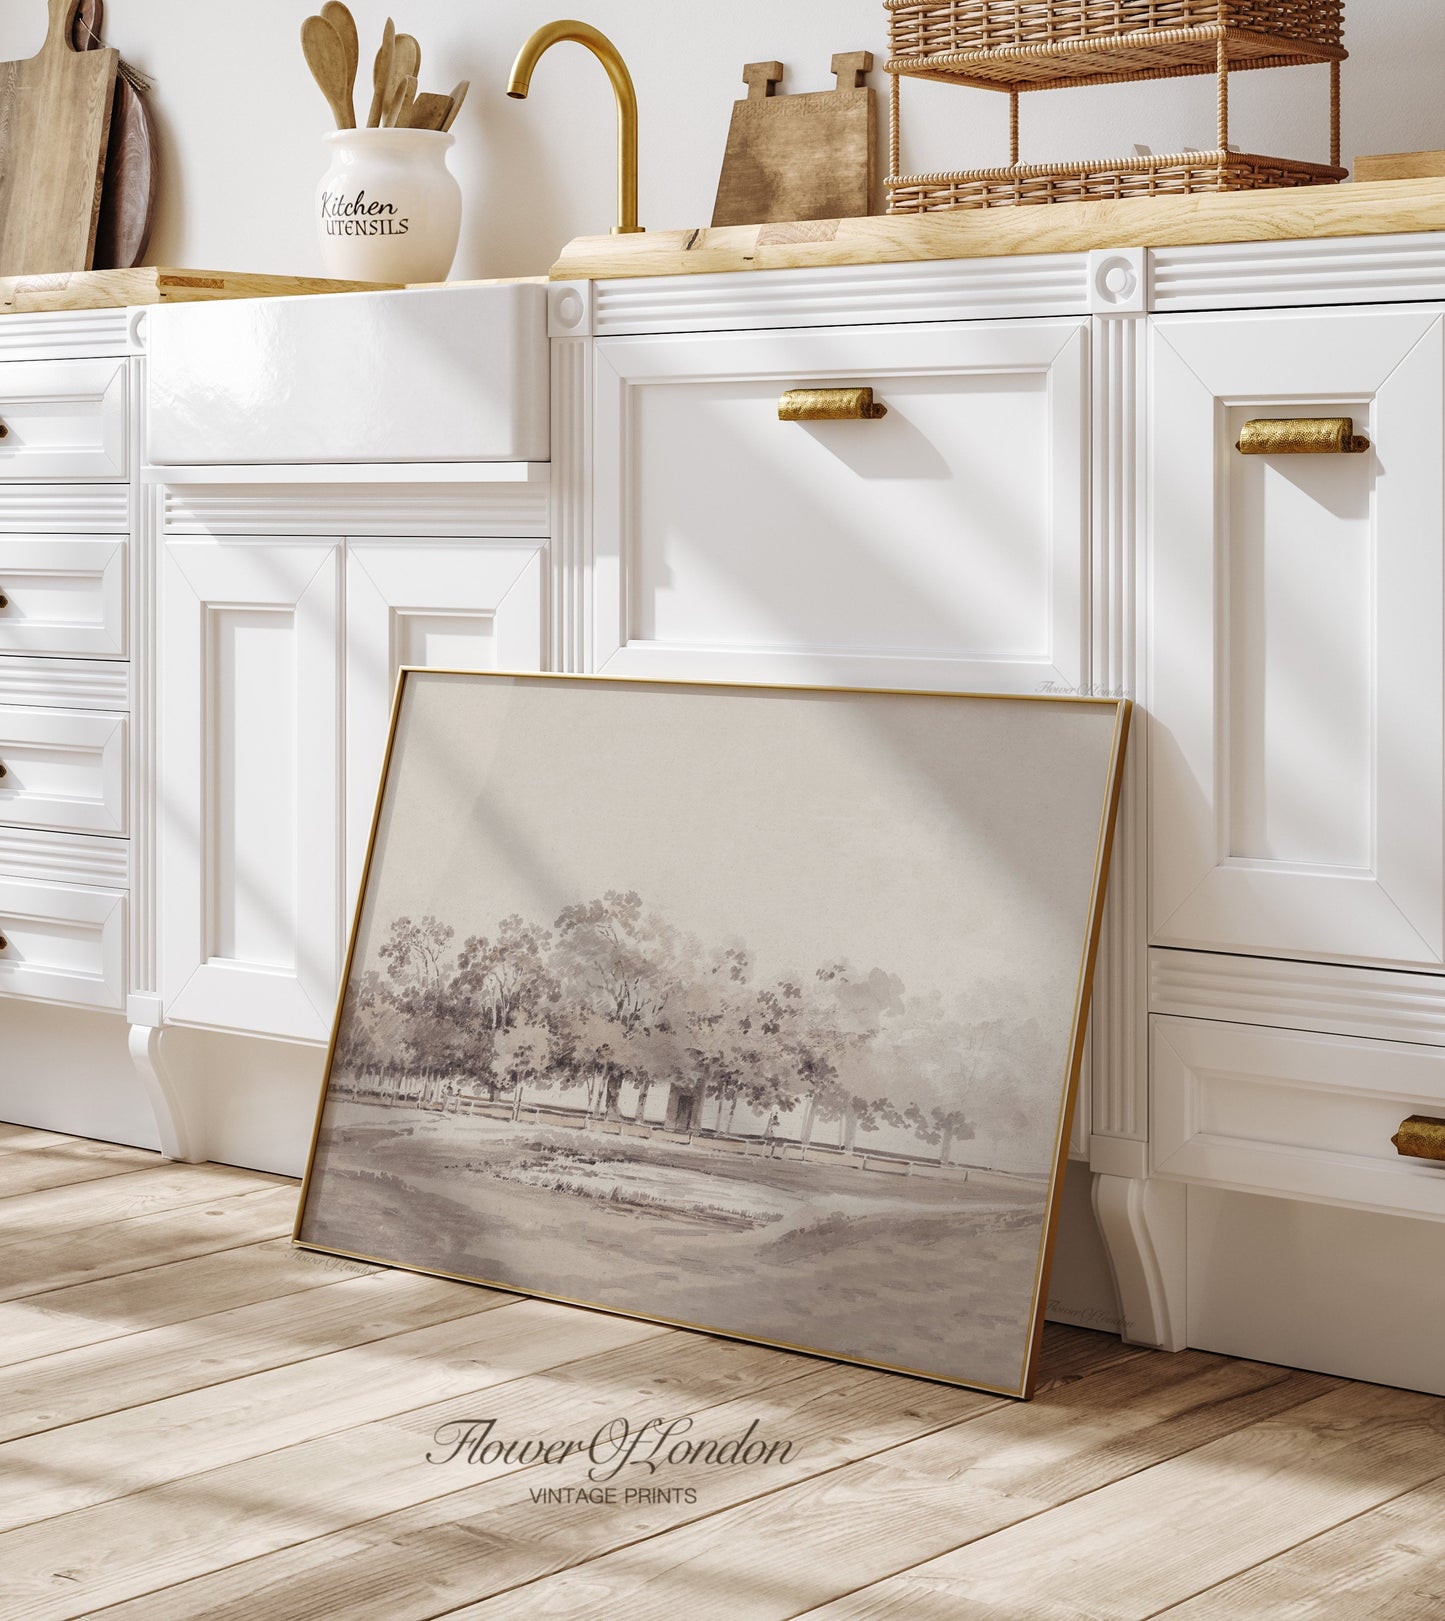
<point x="610" y="1013"/>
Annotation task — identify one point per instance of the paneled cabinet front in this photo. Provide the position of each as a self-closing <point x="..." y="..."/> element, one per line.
<point x="250" y="784"/>
<point x="468" y="605"/>
<point x="1295" y="640"/>
<point x="942" y="544"/>
<point x="278" y="663"/>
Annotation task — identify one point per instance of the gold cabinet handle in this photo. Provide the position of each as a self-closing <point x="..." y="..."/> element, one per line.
<point x="4" y="943"/>
<point x="4" y="769"/>
<point x="830" y="405"/>
<point x="4" y="602"/>
<point x="1302" y="436"/>
<point x="4" y="431"/>
<point x="1422" y="1136"/>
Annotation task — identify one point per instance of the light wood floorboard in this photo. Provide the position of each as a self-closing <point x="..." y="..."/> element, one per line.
<point x="197" y="1420"/>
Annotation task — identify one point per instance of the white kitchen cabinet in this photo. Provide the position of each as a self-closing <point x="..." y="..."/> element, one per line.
<point x="1297" y="662"/>
<point x="463" y="605"/>
<point x="63" y="596"/>
<point x="64" y="419"/>
<point x="62" y="943"/>
<point x="943" y="545"/>
<point x="66" y="782"/>
<point x="270" y="774"/>
<point x="1053" y="501"/>
<point x="63" y="769"/>
<point x="250" y="785"/>
<point x="1294" y="1112"/>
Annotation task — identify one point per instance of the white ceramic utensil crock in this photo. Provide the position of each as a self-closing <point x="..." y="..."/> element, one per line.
<point x="389" y="208"/>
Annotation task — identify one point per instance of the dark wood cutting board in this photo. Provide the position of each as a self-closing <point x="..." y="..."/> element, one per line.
<point x="132" y="164"/>
<point x="55" y="112"/>
<point x="808" y="157"/>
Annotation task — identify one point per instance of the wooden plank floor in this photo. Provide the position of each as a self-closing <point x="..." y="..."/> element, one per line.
<point x="197" y="1420"/>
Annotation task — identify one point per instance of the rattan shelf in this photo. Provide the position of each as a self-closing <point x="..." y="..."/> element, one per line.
<point x="1019" y="45"/>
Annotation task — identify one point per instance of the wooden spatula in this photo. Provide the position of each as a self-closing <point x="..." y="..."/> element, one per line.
<point x="55" y="111"/>
<point x="381" y="75"/>
<point x="459" y="95"/>
<point x="326" y="57"/>
<point x="344" y="23"/>
<point x="429" y="111"/>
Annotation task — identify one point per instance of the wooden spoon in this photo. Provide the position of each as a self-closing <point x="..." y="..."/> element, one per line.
<point x="326" y="57"/>
<point x="381" y="75"/>
<point x="459" y="95"/>
<point x="406" y="60"/>
<point x="345" y="25"/>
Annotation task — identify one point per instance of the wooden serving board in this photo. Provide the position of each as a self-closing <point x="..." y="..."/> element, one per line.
<point x="807" y="157"/>
<point x="118" y="289"/>
<point x="55" y="112"/>
<point x="1400" y="166"/>
<point x="132" y="162"/>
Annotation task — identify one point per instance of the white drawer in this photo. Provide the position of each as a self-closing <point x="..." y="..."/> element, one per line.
<point x="64" y="769"/>
<point x="461" y="374"/>
<point x="63" y="419"/>
<point x="63" y="943"/>
<point x="943" y="544"/>
<point x="63" y="595"/>
<point x="1293" y="1113"/>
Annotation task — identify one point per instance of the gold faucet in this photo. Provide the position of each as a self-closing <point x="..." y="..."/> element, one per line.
<point x="608" y="55"/>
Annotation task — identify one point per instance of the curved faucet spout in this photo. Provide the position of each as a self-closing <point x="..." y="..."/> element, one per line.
<point x="607" y="54"/>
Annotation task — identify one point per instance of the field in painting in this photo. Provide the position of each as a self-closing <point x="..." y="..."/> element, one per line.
<point x="864" y="1257"/>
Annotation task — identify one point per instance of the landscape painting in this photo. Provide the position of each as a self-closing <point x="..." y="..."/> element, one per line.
<point x="753" y="1009"/>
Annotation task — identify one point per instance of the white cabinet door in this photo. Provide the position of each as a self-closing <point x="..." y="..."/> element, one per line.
<point x="466" y="605"/>
<point x="1295" y="657"/>
<point x="942" y="545"/>
<point x="249" y="812"/>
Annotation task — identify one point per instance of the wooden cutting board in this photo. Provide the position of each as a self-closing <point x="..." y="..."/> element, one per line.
<point x="805" y="157"/>
<point x="132" y="162"/>
<point x="55" y="112"/>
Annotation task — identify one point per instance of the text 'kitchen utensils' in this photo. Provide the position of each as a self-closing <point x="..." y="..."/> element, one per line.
<point x="332" y="48"/>
<point x="389" y="209"/>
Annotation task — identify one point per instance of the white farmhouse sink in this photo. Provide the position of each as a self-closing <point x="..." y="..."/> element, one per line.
<point x="438" y="374"/>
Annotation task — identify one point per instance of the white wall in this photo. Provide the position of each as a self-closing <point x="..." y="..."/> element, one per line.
<point x="242" y="121"/>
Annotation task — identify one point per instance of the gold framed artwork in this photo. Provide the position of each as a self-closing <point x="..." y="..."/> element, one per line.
<point x="758" y="1010"/>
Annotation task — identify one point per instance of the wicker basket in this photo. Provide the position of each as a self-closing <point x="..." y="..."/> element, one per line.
<point x="1173" y="176"/>
<point x="1019" y="45"/>
<point x="922" y="31"/>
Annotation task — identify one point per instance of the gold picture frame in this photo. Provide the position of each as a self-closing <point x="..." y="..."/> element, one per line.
<point x="493" y="1114"/>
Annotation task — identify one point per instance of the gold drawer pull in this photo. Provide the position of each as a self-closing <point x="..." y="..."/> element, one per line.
<point x="4" y="943"/>
<point x="829" y="405"/>
<point x="1422" y="1136"/>
<point x="4" y="769"/>
<point x="1302" y="436"/>
<point x="4" y="602"/>
<point x="4" y="431"/>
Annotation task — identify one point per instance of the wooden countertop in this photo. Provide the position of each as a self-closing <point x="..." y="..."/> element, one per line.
<point x="117" y="289"/>
<point x="1380" y="208"/>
